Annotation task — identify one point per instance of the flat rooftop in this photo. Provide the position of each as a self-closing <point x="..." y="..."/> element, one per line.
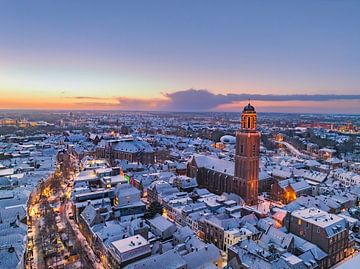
<point x="129" y="243"/>
<point x="317" y="217"/>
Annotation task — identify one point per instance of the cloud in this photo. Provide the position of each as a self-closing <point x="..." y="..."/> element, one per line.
<point x="97" y="104"/>
<point x="142" y="104"/>
<point x="193" y="99"/>
<point x="292" y="97"/>
<point x="88" y="98"/>
<point x="204" y="100"/>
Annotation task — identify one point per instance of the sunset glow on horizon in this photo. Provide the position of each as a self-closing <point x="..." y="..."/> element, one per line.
<point x="132" y="56"/>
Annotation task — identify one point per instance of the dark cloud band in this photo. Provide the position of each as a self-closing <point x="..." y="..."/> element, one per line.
<point x="204" y="99"/>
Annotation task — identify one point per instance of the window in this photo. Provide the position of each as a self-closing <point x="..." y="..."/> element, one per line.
<point x="299" y="221"/>
<point x="242" y="149"/>
<point x="253" y="150"/>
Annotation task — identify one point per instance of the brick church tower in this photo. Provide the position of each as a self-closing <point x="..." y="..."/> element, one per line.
<point x="247" y="157"/>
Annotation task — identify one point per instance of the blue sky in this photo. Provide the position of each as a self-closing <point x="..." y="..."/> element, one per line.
<point x="145" y="50"/>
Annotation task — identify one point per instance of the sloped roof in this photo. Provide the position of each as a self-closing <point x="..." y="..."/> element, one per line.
<point x="133" y="146"/>
<point x="202" y="257"/>
<point x="169" y="259"/>
<point x="215" y="164"/>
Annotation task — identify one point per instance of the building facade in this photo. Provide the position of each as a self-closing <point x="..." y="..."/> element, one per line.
<point x="247" y="157"/>
<point x="241" y="178"/>
<point x="328" y="231"/>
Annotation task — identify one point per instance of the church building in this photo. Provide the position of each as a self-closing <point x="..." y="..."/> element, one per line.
<point x="241" y="178"/>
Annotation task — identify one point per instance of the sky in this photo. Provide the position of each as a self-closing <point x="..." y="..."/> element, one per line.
<point x="203" y="55"/>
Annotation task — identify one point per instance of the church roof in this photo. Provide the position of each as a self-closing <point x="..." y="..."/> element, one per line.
<point x="215" y="164"/>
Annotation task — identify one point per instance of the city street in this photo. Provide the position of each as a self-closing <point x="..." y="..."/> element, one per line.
<point x="293" y="150"/>
<point x="55" y="240"/>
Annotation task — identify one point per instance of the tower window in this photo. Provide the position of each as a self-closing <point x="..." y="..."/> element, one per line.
<point x="253" y="150"/>
<point x="248" y="124"/>
<point x="242" y="149"/>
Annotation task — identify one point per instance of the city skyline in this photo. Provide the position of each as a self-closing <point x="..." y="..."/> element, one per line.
<point x="179" y="134"/>
<point x="136" y="56"/>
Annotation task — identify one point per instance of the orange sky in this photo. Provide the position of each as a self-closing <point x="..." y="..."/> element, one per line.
<point x="126" y="54"/>
<point x="66" y="103"/>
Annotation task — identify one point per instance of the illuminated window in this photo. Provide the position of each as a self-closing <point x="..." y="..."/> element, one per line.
<point x="299" y="221"/>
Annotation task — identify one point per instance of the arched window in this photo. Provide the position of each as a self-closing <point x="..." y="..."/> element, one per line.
<point x="248" y="124"/>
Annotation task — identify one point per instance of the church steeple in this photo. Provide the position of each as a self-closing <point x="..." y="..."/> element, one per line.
<point x="246" y="180"/>
<point x="248" y="118"/>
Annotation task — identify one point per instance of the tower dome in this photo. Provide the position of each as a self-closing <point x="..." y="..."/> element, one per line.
<point x="248" y="118"/>
<point x="249" y="108"/>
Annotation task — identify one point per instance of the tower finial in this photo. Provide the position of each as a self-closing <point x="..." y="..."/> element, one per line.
<point x="249" y="101"/>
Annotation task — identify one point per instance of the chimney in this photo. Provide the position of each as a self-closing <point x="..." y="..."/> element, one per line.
<point x="11" y="249"/>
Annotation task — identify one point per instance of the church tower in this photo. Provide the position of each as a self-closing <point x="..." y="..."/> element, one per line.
<point x="247" y="157"/>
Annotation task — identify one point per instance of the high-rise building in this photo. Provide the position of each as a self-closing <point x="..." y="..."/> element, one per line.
<point x="246" y="176"/>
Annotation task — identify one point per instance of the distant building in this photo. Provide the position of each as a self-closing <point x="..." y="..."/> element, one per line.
<point x="312" y="148"/>
<point x="7" y="122"/>
<point x="347" y="178"/>
<point x="326" y="153"/>
<point x="126" y="149"/>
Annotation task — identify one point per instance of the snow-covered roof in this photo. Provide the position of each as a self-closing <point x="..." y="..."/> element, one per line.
<point x="215" y="164"/>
